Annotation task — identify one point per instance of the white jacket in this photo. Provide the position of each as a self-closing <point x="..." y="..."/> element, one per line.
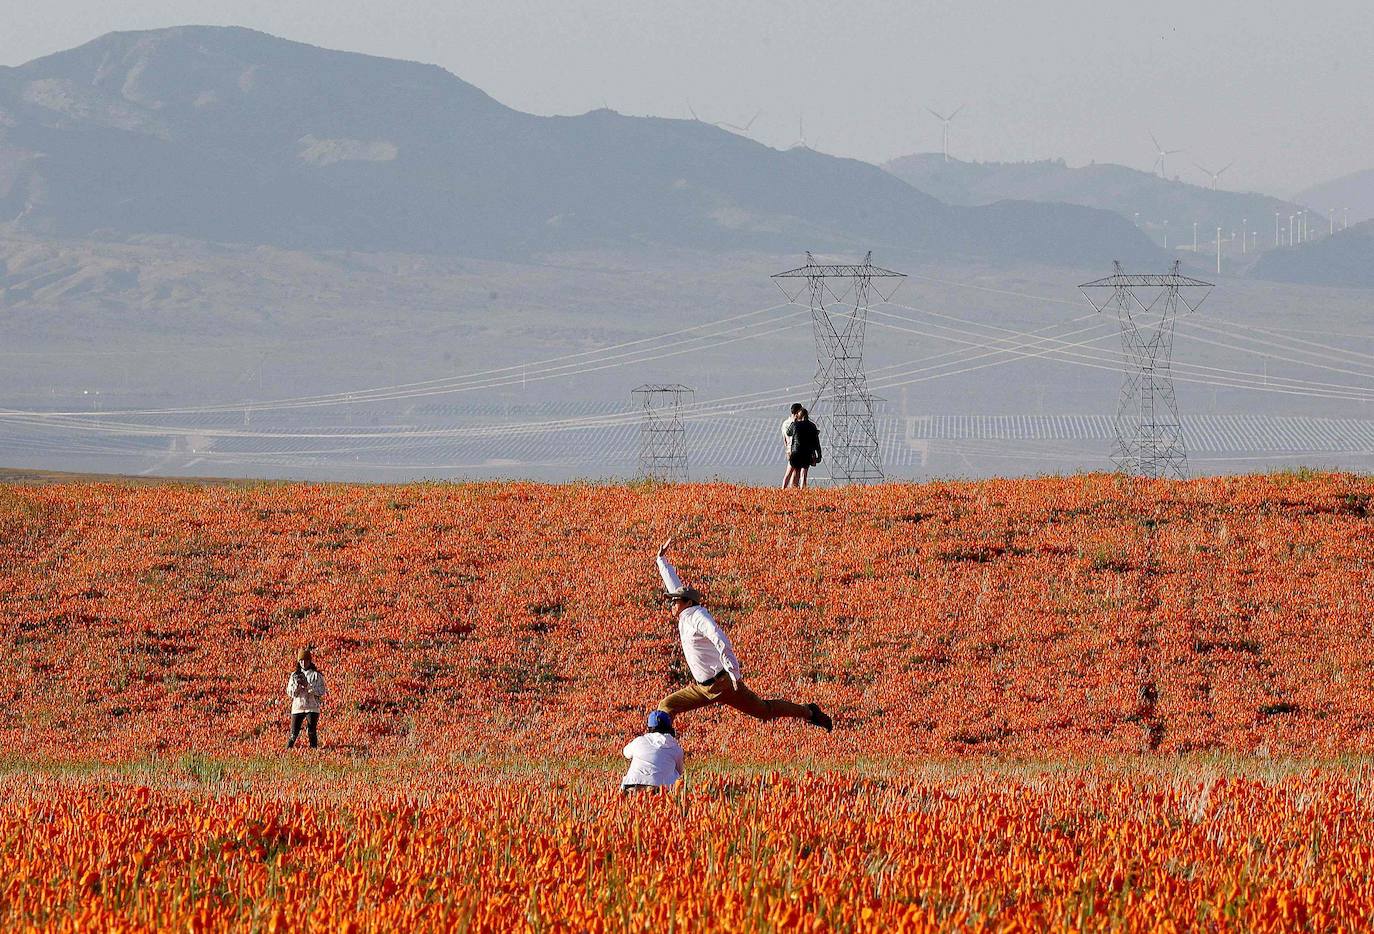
<point x="655" y="759"/>
<point x="305" y="699"/>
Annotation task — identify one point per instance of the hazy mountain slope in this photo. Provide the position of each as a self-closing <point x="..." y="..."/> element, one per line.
<point x="1353" y="193"/>
<point x="1344" y="259"/>
<point x="232" y="135"/>
<point x="1100" y="185"/>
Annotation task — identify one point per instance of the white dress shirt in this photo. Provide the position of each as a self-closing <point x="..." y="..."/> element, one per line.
<point x="655" y="759"/>
<point x="705" y="645"/>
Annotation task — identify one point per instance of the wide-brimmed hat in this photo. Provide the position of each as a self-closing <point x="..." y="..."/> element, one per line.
<point x="690" y="594"/>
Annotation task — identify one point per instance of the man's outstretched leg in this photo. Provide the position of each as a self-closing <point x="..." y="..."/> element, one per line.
<point x="746" y="701"/>
<point x="691" y="697"/>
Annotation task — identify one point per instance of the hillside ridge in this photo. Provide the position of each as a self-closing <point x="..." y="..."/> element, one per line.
<point x="228" y="135"/>
<point x="1081" y="615"/>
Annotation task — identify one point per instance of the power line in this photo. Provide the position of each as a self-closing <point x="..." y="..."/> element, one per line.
<point x="1065" y="354"/>
<point x="483" y="379"/>
<point x="370" y="395"/>
<point x="1058" y="349"/>
<point x="1003" y="350"/>
<point x="699" y="410"/>
<point x="1271" y="331"/>
<point x="569" y="370"/>
<point x="1259" y="353"/>
<point x="1265" y="382"/>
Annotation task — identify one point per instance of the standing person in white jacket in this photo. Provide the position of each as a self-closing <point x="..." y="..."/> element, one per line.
<point x="655" y="758"/>
<point x="305" y="687"/>
<point x="711" y="659"/>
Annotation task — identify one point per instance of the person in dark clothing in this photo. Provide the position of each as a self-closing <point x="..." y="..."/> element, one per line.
<point x="803" y="449"/>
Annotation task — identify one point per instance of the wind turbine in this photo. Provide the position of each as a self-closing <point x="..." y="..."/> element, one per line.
<point x="1160" y="153"/>
<point x="742" y="130"/>
<point x="1215" y="175"/>
<point x="801" y="133"/>
<point x="944" y="127"/>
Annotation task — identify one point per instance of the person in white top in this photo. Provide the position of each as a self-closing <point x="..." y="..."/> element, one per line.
<point x="712" y="662"/>
<point x="789" y="478"/>
<point x="655" y="758"/>
<point x="305" y="687"/>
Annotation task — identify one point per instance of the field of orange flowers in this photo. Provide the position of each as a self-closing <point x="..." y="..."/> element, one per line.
<point x="1061" y="702"/>
<point x="1086" y="848"/>
<point x="1069" y="616"/>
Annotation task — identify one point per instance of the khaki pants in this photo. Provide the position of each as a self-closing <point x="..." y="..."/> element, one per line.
<point x="723" y="691"/>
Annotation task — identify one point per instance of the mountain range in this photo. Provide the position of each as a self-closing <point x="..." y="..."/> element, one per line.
<point x="229" y="135"/>
<point x="1162" y="207"/>
<point x="1346" y="258"/>
<point x="1350" y="197"/>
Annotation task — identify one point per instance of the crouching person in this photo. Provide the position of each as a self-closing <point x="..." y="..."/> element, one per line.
<point x="655" y="758"/>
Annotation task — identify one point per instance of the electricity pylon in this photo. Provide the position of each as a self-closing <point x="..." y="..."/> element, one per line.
<point x="842" y="293"/>
<point x="662" y="437"/>
<point x="1149" y="438"/>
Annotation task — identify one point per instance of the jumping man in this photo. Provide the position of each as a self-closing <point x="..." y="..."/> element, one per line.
<point x="711" y="660"/>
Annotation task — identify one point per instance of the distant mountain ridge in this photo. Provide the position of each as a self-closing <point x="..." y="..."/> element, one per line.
<point x="1349" y="197"/>
<point x="226" y="134"/>
<point x="1106" y="186"/>
<point x="1344" y="259"/>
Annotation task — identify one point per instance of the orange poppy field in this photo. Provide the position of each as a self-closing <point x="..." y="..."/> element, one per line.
<point x="1085" y="703"/>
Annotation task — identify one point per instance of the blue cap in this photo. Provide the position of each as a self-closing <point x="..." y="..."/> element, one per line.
<point x="660" y="722"/>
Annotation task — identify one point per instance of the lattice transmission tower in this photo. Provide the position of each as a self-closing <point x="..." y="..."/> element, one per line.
<point x="662" y="437"/>
<point x="838" y="296"/>
<point x="1149" y="438"/>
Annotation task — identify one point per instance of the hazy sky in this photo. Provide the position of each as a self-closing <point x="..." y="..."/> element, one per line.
<point x="1284" y="89"/>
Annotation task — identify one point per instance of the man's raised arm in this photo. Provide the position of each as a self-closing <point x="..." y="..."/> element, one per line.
<point x="671" y="582"/>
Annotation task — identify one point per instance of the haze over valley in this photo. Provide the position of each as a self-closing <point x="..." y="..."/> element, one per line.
<point x="224" y="252"/>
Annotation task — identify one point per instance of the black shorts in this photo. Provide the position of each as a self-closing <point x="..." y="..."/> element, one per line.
<point x="799" y="460"/>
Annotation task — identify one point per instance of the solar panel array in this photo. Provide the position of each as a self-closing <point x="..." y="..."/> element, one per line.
<point x="457" y="438"/>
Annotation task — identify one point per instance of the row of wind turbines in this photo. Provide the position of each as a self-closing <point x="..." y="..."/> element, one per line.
<point x="1159" y="166"/>
<point x="1299" y="230"/>
<point x="801" y="141"/>
<point x="1161" y="154"/>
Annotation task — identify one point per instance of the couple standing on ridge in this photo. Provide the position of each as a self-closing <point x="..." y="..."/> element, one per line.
<point x="656" y="757"/>
<point x="803" y="440"/>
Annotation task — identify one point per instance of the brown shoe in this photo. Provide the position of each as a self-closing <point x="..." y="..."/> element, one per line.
<point x="820" y="718"/>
